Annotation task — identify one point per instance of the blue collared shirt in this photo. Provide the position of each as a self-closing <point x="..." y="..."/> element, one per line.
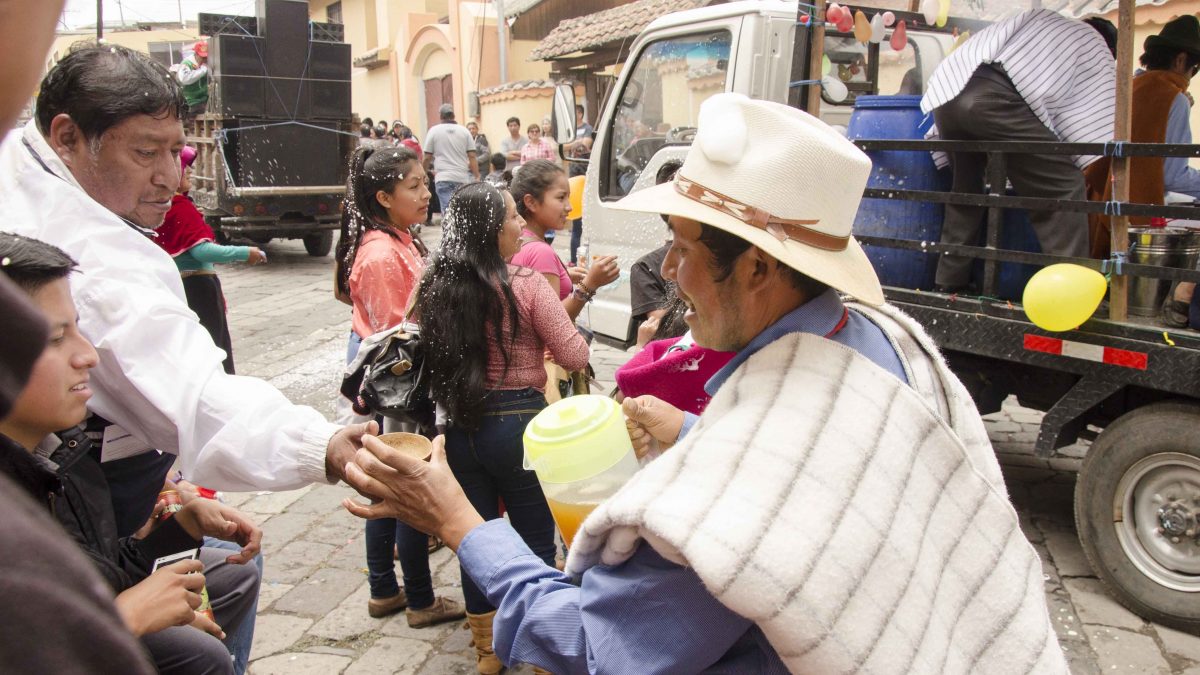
<point x="819" y="316"/>
<point x="646" y="615"/>
<point x="1177" y="175"/>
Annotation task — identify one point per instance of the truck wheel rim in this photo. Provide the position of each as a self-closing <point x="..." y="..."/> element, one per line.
<point x="1156" y="509"/>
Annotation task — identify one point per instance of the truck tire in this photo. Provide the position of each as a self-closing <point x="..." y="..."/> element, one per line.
<point x="319" y="244"/>
<point x="1137" y="511"/>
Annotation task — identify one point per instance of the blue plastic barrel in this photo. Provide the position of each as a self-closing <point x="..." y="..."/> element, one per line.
<point x="897" y="118"/>
<point x="1016" y="234"/>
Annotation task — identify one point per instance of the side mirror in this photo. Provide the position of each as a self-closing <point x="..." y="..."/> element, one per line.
<point x="562" y="116"/>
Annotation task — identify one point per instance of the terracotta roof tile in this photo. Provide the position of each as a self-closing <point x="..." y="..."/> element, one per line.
<point x="517" y="86"/>
<point x="610" y="25"/>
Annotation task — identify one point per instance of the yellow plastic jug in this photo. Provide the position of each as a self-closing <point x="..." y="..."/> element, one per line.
<point x="581" y="453"/>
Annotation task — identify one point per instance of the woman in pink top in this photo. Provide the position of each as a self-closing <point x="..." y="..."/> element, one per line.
<point x="541" y="192"/>
<point x="379" y="267"/>
<point x="487" y="325"/>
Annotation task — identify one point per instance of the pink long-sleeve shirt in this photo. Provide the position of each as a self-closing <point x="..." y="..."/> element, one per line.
<point x="544" y="326"/>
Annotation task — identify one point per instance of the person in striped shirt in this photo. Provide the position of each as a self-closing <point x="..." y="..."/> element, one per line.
<point x="1037" y="76"/>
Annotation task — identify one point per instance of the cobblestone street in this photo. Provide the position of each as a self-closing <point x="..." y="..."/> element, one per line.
<point x="289" y="329"/>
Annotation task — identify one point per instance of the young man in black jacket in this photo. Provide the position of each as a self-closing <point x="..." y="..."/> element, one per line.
<point x="58" y="471"/>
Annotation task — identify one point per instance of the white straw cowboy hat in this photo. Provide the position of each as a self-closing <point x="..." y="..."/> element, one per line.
<point x="779" y="178"/>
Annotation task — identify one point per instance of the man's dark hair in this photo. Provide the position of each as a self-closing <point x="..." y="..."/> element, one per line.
<point x="726" y="248"/>
<point x="579" y="108"/>
<point x="446" y="112"/>
<point x="1163" y="57"/>
<point x="100" y="86"/>
<point x="31" y="263"/>
<point x="499" y="161"/>
<point x="364" y="130"/>
<point x="1107" y="30"/>
<point x="511" y="120"/>
<point x="665" y="173"/>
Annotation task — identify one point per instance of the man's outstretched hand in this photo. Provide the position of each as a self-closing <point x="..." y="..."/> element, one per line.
<point x="426" y="495"/>
<point x="342" y="447"/>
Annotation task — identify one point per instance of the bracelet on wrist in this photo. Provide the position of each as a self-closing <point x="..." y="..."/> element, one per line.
<point x="585" y="297"/>
<point x="586" y="289"/>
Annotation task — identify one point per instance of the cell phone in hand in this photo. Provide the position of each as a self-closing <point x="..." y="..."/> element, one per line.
<point x="189" y="554"/>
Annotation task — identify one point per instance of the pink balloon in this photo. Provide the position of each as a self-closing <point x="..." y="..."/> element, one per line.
<point x="899" y="37"/>
<point x="833" y="14"/>
<point x="846" y="23"/>
<point x="889" y="19"/>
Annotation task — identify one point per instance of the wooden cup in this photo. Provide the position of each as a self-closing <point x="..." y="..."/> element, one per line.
<point x="413" y="445"/>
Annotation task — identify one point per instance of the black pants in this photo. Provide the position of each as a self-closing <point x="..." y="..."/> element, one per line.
<point x="990" y="109"/>
<point x="205" y="298"/>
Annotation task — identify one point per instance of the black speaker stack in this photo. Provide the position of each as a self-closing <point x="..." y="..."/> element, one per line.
<point x="269" y="69"/>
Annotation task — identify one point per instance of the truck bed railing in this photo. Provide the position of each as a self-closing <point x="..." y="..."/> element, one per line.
<point x="991" y="253"/>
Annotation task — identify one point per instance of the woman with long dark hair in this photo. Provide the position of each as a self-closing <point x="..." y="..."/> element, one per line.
<point x="487" y="325"/>
<point x="379" y="264"/>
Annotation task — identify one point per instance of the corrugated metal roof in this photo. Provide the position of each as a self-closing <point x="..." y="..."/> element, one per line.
<point x="610" y="25"/>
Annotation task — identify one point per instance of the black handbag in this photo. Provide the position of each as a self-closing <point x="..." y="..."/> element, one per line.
<point x="393" y="380"/>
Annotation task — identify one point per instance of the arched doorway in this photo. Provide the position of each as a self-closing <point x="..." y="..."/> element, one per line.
<point x="437" y="77"/>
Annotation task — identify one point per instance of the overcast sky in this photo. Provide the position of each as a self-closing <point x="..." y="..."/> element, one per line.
<point x="83" y="12"/>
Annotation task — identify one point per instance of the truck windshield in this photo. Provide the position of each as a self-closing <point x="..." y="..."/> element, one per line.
<point x="661" y="102"/>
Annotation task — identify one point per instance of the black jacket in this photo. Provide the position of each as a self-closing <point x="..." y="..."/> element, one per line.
<point x="71" y="484"/>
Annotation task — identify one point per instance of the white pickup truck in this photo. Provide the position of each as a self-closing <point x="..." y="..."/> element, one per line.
<point x="649" y="119"/>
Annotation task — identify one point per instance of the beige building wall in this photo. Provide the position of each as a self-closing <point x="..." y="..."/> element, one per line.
<point x="138" y="40"/>
<point x="530" y="105"/>
<point x="425" y="39"/>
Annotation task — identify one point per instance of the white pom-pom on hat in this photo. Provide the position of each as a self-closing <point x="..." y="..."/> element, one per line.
<point x="722" y="134"/>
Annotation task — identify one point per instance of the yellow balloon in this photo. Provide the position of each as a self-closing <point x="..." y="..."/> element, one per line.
<point x="1061" y="297"/>
<point x="577" y="184"/>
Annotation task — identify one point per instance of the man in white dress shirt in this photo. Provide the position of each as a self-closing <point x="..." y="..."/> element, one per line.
<point x="1037" y="76"/>
<point x="96" y="167"/>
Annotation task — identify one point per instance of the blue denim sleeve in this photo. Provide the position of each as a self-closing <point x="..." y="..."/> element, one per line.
<point x="1177" y="175"/>
<point x="689" y="421"/>
<point x="646" y="615"/>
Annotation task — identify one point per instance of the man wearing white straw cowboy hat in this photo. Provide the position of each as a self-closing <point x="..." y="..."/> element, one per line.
<point x="837" y="506"/>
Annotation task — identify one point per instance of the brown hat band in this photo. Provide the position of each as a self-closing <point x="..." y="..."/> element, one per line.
<point x="780" y="228"/>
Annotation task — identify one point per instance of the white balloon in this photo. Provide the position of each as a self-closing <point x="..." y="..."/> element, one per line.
<point x="930" y="9"/>
<point x="834" y="88"/>
<point x="877" y="29"/>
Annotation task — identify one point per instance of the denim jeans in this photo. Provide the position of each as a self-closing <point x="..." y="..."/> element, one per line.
<point x="382" y="536"/>
<point x="445" y="190"/>
<point x="576" y="237"/>
<point x="385" y="534"/>
<point x="488" y="464"/>
<point x="239" y="641"/>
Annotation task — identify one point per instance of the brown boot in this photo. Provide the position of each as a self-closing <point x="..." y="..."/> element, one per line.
<point x="481" y="634"/>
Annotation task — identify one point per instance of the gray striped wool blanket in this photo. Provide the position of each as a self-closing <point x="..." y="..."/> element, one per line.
<point x="839" y="510"/>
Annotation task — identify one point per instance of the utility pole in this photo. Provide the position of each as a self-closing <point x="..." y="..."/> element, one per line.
<point x="121" y="10"/>
<point x="99" y="20"/>
<point x="502" y="33"/>
<point x="179" y="4"/>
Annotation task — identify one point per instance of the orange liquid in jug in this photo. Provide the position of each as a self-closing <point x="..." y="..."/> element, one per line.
<point x="569" y="517"/>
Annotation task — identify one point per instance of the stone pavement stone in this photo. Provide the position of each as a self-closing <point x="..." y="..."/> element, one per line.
<point x="299" y="663"/>
<point x="288" y="328"/>
<point x="277" y="632"/>
<point x="320" y="593"/>
<point x="391" y="655"/>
